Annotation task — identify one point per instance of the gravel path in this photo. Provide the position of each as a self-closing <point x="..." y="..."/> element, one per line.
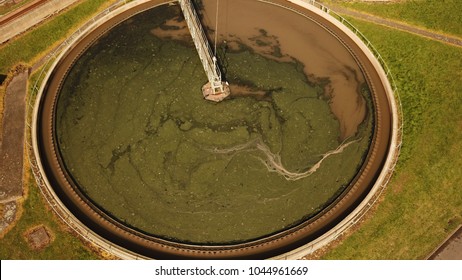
<point x="452" y="40"/>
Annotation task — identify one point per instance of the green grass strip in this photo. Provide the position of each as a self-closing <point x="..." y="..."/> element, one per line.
<point x="29" y="46"/>
<point x="442" y="16"/>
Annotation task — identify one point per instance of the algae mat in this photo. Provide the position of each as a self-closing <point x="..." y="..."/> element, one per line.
<point x="141" y="142"/>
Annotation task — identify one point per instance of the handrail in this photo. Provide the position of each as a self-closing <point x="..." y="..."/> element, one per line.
<point x="208" y="59"/>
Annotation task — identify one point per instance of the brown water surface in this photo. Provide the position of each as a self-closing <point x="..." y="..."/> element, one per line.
<point x="285" y="35"/>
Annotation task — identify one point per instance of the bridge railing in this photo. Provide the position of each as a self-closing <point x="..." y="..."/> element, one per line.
<point x="202" y="44"/>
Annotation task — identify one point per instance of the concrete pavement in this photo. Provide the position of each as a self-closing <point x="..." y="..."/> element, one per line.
<point x="12" y="139"/>
<point x="32" y="18"/>
<point x="450" y="249"/>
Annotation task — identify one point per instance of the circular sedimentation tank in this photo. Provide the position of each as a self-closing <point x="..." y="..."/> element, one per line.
<point x="137" y="157"/>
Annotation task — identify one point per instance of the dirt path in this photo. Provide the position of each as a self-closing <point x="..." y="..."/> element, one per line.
<point x="452" y="40"/>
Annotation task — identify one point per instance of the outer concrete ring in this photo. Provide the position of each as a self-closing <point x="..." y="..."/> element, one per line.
<point x="277" y="246"/>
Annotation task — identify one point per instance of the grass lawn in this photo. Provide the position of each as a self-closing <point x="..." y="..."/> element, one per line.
<point x="36" y="212"/>
<point x="423" y="202"/>
<point x="444" y="16"/>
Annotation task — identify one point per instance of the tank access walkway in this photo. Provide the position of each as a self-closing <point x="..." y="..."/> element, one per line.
<point x="216" y="89"/>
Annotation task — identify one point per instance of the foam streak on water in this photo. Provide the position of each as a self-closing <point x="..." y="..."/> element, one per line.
<point x="273" y="161"/>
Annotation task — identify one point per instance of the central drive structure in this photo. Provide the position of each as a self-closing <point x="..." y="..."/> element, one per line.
<point x="216" y="89"/>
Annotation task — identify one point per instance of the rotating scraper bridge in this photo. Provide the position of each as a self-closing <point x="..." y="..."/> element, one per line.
<point x="295" y="242"/>
<point x="216" y="89"/>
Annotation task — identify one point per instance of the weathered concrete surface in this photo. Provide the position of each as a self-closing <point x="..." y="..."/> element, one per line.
<point x="9" y="213"/>
<point x="12" y="139"/>
<point x="30" y="19"/>
<point x="451" y="249"/>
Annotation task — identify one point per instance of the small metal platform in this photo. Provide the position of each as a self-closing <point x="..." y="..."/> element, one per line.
<point x="214" y="95"/>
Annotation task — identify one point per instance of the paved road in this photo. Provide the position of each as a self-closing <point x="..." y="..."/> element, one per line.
<point x="10" y="16"/>
<point x="25" y="21"/>
<point x="452" y="40"/>
<point x="451" y="249"/>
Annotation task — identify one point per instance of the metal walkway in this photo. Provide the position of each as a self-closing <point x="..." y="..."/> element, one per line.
<point x="215" y="89"/>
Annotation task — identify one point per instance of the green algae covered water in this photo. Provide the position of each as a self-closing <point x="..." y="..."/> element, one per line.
<point x="141" y="142"/>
